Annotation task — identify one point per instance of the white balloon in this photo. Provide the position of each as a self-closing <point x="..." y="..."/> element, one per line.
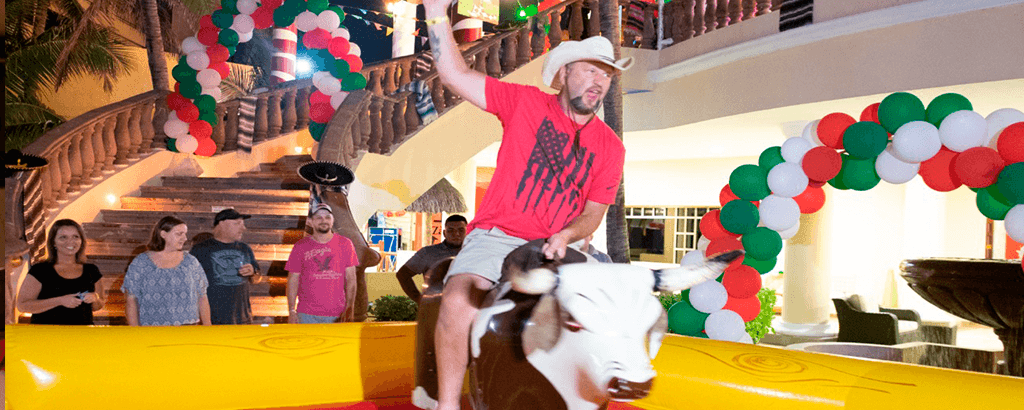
<point x="746" y="338"/>
<point x="1014" y="223"/>
<point x="724" y="325"/>
<point x="791" y="232"/>
<point x="1000" y="119"/>
<point x="779" y="213"/>
<point x="186" y="144"/>
<point x="208" y="78"/>
<point x="354" y="49"/>
<point x="340" y="32"/>
<point x="893" y="170"/>
<point x="306" y="21"/>
<point x="692" y="258"/>
<point x="709" y="296"/>
<point x="338" y="98"/>
<point x="702" y="243"/>
<point x="329" y="85"/>
<point x="787" y="179"/>
<point x="328" y="20"/>
<point x="916" y="141"/>
<point x="811" y="133"/>
<point x="793" y="149"/>
<point x="246" y="6"/>
<point x="191" y="45"/>
<point x="198" y="60"/>
<point x="244" y="37"/>
<point x="963" y="130"/>
<point x="243" y="23"/>
<point x="317" y="76"/>
<point x="213" y="92"/>
<point x="175" y="127"/>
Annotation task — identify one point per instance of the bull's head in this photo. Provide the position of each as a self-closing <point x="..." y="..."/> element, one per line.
<point x="597" y="326"/>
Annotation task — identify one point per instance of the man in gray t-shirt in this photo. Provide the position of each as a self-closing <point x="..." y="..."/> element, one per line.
<point x="428" y="256"/>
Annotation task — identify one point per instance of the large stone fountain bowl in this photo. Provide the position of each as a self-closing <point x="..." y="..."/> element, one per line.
<point x="985" y="291"/>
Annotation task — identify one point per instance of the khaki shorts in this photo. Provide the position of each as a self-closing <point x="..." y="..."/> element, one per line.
<point x="484" y="251"/>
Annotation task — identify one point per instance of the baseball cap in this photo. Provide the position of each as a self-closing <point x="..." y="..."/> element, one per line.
<point x="595" y="48"/>
<point x="320" y="206"/>
<point x="229" y="213"/>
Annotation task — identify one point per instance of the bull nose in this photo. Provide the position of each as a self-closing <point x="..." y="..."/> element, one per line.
<point x="621" y="389"/>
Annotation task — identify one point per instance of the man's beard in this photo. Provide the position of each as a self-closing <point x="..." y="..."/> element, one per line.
<point x="321" y="230"/>
<point x="580" y="108"/>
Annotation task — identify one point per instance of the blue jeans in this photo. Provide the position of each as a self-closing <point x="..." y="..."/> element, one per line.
<point x="306" y="318"/>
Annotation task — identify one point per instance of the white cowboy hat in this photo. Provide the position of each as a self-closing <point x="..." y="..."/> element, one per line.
<point x="595" y="48"/>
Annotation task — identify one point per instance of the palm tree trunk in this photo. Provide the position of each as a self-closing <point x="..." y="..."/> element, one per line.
<point x="618" y="241"/>
<point x="155" y="47"/>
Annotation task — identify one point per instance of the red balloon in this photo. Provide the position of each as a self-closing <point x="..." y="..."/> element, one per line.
<point x="206" y="147"/>
<point x="208" y="35"/>
<point x="200" y="129"/>
<point x="748" y="308"/>
<point x="725" y="244"/>
<point x="175" y="100"/>
<point x="811" y="200"/>
<point x="321" y="112"/>
<point x="1011" y="143"/>
<point x="741" y="281"/>
<point x="711" y="226"/>
<point x="978" y="167"/>
<point x="263" y="16"/>
<point x="822" y="164"/>
<point x="937" y="172"/>
<point x="726" y="195"/>
<point x="218" y="53"/>
<point x="222" y="68"/>
<point x="318" y="97"/>
<point x="206" y="21"/>
<point x="272" y="4"/>
<point x="354" y="62"/>
<point x="831" y="129"/>
<point x="317" y="38"/>
<point x="188" y="112"/>
<point x="338" y="47"/>
<point x="870" y="113"/>
<point x="816" y="184"/>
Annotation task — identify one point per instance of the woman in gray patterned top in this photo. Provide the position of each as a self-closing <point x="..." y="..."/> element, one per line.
<point x="166" y="286"/>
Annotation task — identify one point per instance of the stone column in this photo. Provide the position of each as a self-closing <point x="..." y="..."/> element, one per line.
<point x="403" y="42"/>
<point x="807" y="282"/>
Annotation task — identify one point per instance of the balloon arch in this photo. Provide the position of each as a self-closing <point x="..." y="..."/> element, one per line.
<point x="947" y="143"/>
<point x="200" y="71"/>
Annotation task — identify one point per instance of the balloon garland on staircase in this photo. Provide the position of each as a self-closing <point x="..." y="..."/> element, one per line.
<point x="947" y="144"/>
<point x="204" y="65"/>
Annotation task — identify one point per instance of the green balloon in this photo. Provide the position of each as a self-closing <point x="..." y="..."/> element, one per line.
<point x="190" y="89"/>
<point x="228" y="37"/>
<point x="944" y="105"/>
<point x="991" y="206"/>
<point x="739" y="216"/>
<point x="294" y="6"/>
<point x="353" y="81"/>
<point x="316" y="130"/>
<point x="860" y="174"/>
<point x="283" y="17"/>
<point x="898" y="109"/>
<point x="865" y="139"/>
<point x="171" y="145"/>
<point x="231" y="6"/>
<point x="339" y="68"/>
<point x="317" y="6"/>
<point x="222" y="18"/>
<point x="205" y="103"/>
<point x="769" y="158"/>
<point x="762" y="266"/>
<point x="749" y="182"/>
<point x="762" y="243"/>
<point x="683" y="319"/>
<point x="1011" y="183"/>
<point x="210" y="117"/>
<point x="182" y="72"/>
<point x="231" y="50"/>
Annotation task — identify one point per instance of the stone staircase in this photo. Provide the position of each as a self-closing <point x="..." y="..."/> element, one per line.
<point x="274" y="194"/>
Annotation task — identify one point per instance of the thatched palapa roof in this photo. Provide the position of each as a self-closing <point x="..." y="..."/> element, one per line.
<point x="442" y="197"/>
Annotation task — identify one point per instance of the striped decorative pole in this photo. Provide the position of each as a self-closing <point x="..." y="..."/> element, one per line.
<point x="286" y="43"/>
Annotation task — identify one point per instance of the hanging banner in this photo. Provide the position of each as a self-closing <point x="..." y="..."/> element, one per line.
<point x="486" y="10"/>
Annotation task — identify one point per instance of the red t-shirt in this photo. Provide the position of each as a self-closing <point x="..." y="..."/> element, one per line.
<point x="541" y="182"/>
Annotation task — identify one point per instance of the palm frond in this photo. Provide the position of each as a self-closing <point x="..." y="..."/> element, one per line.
<point x="22" y="113"/>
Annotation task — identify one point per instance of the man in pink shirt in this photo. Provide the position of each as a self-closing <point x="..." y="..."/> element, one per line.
<point x="322" y="274"/>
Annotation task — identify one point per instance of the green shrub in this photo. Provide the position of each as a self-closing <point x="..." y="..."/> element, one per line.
<point x="390" y="308"/>
<point x="668" y="299"/>
<point x="762" y="324"/>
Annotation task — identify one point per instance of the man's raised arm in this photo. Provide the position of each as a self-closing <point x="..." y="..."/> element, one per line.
<point x="451" y="66"/>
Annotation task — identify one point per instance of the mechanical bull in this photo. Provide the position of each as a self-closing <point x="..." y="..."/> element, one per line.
<point x="559" y="334"/>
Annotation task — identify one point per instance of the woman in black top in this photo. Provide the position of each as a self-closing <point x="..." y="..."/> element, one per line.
<point x="63" y="290"/>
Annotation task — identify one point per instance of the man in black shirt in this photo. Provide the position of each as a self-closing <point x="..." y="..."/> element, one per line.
<point x="428" y="256"/>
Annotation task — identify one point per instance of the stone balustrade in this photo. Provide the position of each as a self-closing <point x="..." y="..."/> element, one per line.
<point x="686" y="19"/>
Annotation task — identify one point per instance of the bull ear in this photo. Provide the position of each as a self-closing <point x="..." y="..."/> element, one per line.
<point x="656" y="334"/>
<point x="544" y="327"/>
<point x="534" y="282"/>
<point x="685" y="277"/>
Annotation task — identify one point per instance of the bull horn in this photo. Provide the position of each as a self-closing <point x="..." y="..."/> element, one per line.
<point x="686" y="277"/>
<point x="535" y="281"/>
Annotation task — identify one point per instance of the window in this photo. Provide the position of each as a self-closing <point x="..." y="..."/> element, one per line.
<point x="663" y="234"/>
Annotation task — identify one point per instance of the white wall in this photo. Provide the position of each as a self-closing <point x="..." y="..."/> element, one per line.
<point x="693" y="182"/>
